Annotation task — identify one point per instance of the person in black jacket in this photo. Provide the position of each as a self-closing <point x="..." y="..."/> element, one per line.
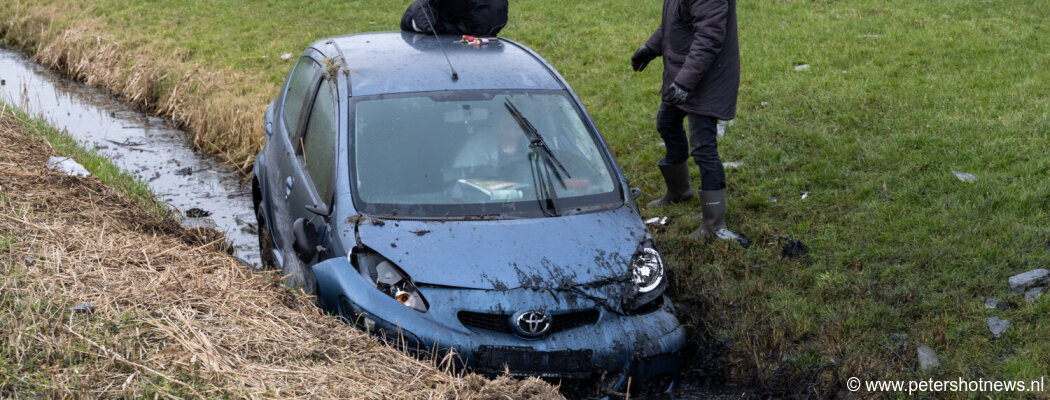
<point x="698" y="42"/>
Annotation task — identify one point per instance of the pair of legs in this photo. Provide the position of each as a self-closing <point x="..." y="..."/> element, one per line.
<point x="703" y="135"/>
<point x="703" y="138"/>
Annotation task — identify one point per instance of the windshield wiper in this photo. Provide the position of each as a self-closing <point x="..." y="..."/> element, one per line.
<point x="536" y="142"/>
<point x="545" y="193"/>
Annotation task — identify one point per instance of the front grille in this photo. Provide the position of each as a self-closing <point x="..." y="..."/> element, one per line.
<point x="502" y="322"/>
<point x="492" y="322"/>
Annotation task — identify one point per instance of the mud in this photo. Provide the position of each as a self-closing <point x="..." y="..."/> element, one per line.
<point x="146" y="146"/>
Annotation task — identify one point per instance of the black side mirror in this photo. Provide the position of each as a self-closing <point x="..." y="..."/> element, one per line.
<point x="635" y="193"/>
<point x="305" y="244"/>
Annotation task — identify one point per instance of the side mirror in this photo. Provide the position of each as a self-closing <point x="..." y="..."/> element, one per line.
<point x="320" y="210"/>
<point x="268" y="120"/>
<point x="635" y="193"/>
<point x="305" y="245"/>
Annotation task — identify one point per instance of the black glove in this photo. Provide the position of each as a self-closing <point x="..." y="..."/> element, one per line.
<point x="675" y="95"/>
<point x="642" y="57"/>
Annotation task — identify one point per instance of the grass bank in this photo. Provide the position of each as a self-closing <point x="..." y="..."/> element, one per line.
<point x="897" y="95"/>
<point x="100" y="298"/>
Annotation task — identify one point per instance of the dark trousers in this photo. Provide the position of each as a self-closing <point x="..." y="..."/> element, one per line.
<point x="703" y="135"/>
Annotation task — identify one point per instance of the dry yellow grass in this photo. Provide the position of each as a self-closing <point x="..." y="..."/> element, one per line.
<point x="173" y="316"/>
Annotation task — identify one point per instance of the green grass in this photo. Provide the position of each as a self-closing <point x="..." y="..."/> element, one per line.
<point x="899" y="94"/>
<point x="96" y="164"/>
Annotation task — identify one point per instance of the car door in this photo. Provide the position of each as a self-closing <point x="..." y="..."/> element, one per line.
<point x="291" y="122"/>
<point x="312" y="170"/>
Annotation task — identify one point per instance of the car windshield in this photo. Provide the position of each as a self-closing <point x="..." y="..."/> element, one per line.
<point x="477" y="154"/>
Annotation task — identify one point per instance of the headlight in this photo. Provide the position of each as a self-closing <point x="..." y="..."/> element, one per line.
<point x="648" y="269"/>
<point x="390" y="279"/>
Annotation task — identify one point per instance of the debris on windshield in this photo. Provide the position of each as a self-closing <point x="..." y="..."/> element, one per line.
<point x="377" y="222"/>
<point x="965" y="176"/>
<point x="420" y="232"/>
<point x="67" y="166"/>
<point x="656" y="220"/>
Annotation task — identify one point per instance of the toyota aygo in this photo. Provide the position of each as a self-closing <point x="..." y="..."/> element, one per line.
<point x="458" y="197"/>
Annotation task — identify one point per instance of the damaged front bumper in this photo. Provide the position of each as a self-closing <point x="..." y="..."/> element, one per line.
<point x="584" y="340"/>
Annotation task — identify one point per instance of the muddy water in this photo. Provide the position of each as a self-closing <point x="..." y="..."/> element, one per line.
<point x="148" y="147"/>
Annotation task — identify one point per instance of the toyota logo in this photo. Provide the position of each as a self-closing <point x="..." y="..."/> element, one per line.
<point x="533" y="323"/>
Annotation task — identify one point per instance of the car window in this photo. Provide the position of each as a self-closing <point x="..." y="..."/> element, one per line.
<point x="298" y="88"/>
<point x="318" y="143"/>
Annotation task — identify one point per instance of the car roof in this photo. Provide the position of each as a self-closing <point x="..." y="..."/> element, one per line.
<point x="401" y="62"/>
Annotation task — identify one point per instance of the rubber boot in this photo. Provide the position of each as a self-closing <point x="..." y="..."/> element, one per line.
<point x="713" y="206"/>
<point x="676" y="176"/>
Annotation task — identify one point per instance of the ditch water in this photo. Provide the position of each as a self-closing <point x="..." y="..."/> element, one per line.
<point x="145" y="146"/>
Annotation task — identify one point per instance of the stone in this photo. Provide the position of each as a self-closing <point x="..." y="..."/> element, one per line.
<point x="927" y="357"/>
<point x="1034" y="294"/>
<point x="997" y="326"/>
<point x="1021" y="282"/>
<point x="991" y="303"/>
<point x="28" y="261"/>
<point x="899" y="336"/>
<point x="84" y="308"/>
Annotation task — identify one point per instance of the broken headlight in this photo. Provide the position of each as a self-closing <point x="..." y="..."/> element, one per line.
<point x="647" y="269"/>
<point x="390" y="279"/>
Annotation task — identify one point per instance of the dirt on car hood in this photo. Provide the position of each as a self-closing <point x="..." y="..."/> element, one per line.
<point x="540" y="253"/>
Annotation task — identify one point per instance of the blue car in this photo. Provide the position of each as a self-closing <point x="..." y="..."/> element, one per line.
<point x="457" y="197"/>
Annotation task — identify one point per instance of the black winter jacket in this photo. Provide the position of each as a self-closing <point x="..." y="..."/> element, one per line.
<point x="461" y="17"/>
<point x="698" y="41"/>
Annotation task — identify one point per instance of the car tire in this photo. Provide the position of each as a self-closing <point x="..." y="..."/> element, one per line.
<point x="296" y="274"/>
<point x="265" y="240"/>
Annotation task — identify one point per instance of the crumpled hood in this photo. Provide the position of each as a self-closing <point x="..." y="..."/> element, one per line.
<point x="506" y="254"/>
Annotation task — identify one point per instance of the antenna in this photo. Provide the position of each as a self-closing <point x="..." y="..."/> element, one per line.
<point x="455" y="76"/>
